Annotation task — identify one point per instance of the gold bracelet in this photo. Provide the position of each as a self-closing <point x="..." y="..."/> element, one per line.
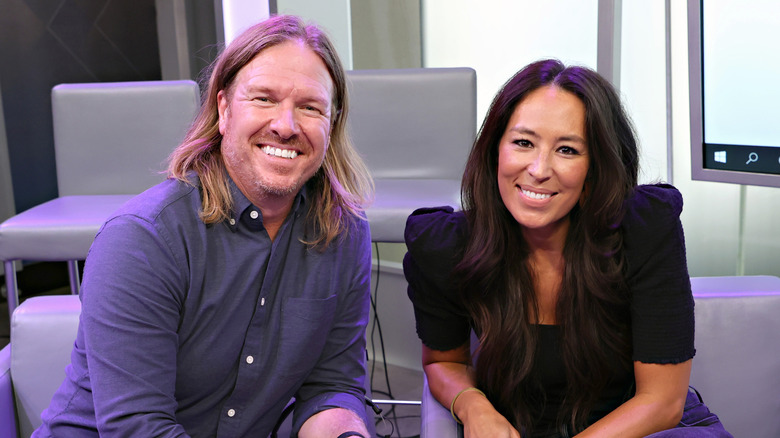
<point x="452" y="405"/>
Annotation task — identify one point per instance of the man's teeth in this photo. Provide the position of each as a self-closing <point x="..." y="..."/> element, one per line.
<point x="284" y="153"/>
<point x="535" y="195"/>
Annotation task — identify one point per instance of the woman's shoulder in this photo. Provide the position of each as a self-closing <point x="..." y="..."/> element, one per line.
<point x="435" y="230"/>
<point x="651" y="225"/>
<point x="653" y="204"/>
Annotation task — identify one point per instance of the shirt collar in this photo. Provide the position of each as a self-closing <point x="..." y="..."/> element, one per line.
<point x="246" y="213"/>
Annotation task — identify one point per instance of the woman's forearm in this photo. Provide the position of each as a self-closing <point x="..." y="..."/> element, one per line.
<point x="638" y="417"/>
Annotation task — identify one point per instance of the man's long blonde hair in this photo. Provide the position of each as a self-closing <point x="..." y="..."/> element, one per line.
<point x="338" y="190"/>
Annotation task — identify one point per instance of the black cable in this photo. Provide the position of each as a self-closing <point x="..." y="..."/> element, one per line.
<point x="378" y="327"/>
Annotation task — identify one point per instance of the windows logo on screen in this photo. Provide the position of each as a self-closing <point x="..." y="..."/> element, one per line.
<point x="720" y="156"/>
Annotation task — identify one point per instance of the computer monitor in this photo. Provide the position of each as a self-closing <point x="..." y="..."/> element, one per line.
<point x="734" y="69"/>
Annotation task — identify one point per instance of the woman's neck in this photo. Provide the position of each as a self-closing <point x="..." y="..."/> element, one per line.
<point x="546" y="264"/>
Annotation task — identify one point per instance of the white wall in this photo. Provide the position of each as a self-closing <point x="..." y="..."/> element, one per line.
<point x="498" y="37"/>
<point x="643" y="83"/>
<point x="239" y="15"/>
<point x="331" y="15"/>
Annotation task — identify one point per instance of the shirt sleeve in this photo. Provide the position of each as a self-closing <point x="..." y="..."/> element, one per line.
<point x="434" y="239"/>
<point x="130" y="310"/>
<point x="662" y="315"/>
<point x="339" y="378"/>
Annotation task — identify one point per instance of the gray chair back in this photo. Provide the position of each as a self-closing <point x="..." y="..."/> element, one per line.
<point x="114" y="138"/>
<point x="414" y="128"/>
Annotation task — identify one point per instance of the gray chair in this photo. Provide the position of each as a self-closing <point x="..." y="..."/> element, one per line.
<point x="737" y="365"/>
<point x="414" y="129"/>
<point x="43" y="330"/>
<point x="110" y="141"/>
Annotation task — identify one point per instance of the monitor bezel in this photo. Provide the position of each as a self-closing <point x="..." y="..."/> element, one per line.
<point x="695" y="83"/>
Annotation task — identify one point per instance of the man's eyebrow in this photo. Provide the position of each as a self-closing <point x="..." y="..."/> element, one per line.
<point x="255" y="88"/>
<point x="313" y="97"/>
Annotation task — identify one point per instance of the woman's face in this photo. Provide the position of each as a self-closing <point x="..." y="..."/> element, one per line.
<point x="543" y="159"/>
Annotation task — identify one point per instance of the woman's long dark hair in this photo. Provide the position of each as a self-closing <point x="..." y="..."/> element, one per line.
<point x="496" y="282"/>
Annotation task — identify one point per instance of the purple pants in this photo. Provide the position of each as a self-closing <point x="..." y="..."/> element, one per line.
<point x="697" y="422"/>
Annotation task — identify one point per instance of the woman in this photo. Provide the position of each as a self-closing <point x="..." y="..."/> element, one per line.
<point x="572" y="276"/>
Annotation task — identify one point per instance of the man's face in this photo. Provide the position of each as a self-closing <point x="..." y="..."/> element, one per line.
<point x="275" y="121"/>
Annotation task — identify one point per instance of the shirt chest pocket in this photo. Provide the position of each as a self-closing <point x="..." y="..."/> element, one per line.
<point x="305" y="326"/>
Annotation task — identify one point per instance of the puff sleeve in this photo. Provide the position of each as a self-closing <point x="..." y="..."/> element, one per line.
<point x="434" y="239"/>
<point x="662" y="315"/>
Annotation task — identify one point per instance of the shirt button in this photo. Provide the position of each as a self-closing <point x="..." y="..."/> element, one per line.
<point x="250" y="359"/>
<point x="262" y="301"/>
<point x="231" y="412"/>
<point x="253" y="214"/>
<point x="232" y="221"/>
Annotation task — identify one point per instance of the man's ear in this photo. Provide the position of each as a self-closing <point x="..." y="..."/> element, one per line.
<point x="222" y="110"/>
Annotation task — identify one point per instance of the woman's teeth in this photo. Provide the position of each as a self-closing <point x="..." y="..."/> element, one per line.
<point x="535" y="195"/>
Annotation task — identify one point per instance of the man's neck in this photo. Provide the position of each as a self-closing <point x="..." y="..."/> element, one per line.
<point x="273" y="207"/>
<point x="275" y="211"/>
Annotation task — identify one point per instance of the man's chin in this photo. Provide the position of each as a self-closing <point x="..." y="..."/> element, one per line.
<point x="280" y="189"/>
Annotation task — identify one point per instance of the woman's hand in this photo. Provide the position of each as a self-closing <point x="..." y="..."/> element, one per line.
<point x="480" y="419"/>
<point x="449" y="373"/>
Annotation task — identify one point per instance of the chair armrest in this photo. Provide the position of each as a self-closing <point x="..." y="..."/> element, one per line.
<point x="43" y="330"/>
<point x="737" y="368"/>
<point x="435" y="420"/>
<point x="7" y="406"/>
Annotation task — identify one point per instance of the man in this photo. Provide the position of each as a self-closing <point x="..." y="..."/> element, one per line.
<point x="213" y="298"/>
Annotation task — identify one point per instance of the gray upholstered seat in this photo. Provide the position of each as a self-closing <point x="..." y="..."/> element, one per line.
<point x="737" y="364"/>
<point x="111" y="141"/>
<point x="32" y="366"/>
<point x="414" y="129"/>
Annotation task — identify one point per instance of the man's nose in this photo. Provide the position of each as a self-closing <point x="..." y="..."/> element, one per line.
<point x="285" y="123"/>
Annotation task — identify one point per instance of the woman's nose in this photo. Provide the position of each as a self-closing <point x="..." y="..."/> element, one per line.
<point x="539" y="167"/>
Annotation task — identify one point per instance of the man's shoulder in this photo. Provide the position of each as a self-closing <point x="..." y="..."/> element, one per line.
<point x="356" y="234"/>
<point x="170" y="196"/>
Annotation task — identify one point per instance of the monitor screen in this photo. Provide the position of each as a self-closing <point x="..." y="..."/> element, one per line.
<point x="734" y="68"/>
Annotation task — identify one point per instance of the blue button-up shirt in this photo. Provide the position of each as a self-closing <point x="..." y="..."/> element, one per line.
<point x="190" y="329"/>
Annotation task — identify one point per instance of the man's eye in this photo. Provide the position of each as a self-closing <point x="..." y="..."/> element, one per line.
<point x="312" y="109"/>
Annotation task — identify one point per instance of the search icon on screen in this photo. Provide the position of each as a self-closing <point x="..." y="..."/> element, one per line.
<point x="752" y="158"/>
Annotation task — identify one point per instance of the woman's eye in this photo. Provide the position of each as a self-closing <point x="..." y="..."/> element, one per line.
<point x="568" y="150"/>
<point x="523" y="143"/>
